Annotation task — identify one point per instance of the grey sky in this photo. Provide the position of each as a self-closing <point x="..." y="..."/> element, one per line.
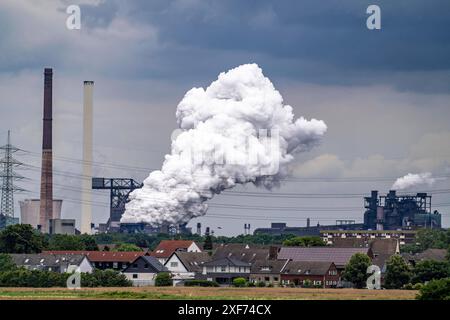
<point x="384" y="95"/>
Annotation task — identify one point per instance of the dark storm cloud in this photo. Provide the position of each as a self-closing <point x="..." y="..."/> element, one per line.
<point x="323" y="42"/>
<point x="414" y="35"/>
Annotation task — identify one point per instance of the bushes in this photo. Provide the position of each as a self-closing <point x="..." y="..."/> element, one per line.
<point x="32" y="278"/>
<point x="261" y="284"/>
<point x="6" y="263"/>
<point x="163" y="279"/>
<point x="200" y="283"/>
<point x="435" y="290"/>
<point x="104" y="278"/>
<point x="46" y="279"/>
<point x="239" y="282"/>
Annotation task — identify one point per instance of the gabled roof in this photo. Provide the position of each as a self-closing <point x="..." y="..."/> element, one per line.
<point x="166" y="247"/>
<point x="378" y="246"/>
<point x="315" y="268"/>
<point x="227" y="262"/>
<point x="428" y="254"/>
<point x="104" y="256"/>
<point x="340" y="256"/>
<point x="268" y="266"/>
<point x="242" y="252"/>
<point x="193" y="261"/>
<point x="152" y="261"/>
<point x="47" y="260"/>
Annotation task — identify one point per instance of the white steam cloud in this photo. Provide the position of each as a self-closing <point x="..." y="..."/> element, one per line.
<point x="235" y="132"/>
<point x="411" y="180"/>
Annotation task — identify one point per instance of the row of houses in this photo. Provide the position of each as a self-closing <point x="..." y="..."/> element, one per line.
<point x="185" y="260"/>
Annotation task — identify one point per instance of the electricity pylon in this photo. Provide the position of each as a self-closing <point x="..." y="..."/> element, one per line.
<point x="9" y="176"/>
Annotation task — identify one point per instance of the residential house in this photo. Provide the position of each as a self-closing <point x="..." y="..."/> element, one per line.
<point x="322" y="274"/>
<point x="382" y="249"/>
<point x="268" y="271"/>
<point x="339" y="256"/>
<point x="143" y="270"/>
<point x="106" y="259"/>
<point x="243" y="252"/>
<point x="225" y="270"/>
<point x="166" y="247"/>
<point x="403" y="236"/>
<point x="186" y="265"/>
<point x="428" y="254"/>
<point x="60" y="263"/>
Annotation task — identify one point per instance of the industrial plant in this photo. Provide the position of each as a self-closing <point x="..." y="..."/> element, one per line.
<point x="391" y="212"/>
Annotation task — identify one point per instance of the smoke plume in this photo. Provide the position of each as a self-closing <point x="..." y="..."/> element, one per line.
<point x="236" y="131"/>
<point x="411" y="180"/>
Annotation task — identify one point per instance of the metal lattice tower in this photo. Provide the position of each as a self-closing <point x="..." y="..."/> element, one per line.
<point x="8" y="175"/>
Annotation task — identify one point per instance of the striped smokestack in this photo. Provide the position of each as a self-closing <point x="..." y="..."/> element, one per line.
<point x="46" y="203"/>
<point x="86" y="207"/>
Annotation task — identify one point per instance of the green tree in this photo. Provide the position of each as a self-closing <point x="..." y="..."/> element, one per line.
<point x="163" y="279"/>
<point x="306" y="241"/>
<point x="429" y="238"/>
<point x="6" y="263"/>
<point x="356" y="270"/>
<point x="239" y="282"/>
<point x="430" y="270"/>
<point x="89" y="242"/>
<point x="398" y="273"/>
<point x="21" y="238"/>
<point x="127" y="247"/>
<point x="208" y="244"/>
<point x="435" y="290"/>
<point x="65" y="242"/>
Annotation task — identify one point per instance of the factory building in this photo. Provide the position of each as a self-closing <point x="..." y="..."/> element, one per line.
<point x="62" y="226"/>
<point x="389" y="212"/>
<point x="392" y="212"/>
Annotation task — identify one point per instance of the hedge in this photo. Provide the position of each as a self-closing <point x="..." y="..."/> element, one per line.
<point x="200" y="283"/>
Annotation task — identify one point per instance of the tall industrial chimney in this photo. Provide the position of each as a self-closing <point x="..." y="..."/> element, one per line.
<point x="46" y="202"/>
<point x="86" y="207"/>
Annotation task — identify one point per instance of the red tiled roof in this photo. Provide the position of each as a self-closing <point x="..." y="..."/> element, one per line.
<point x="103" y="256"/>
<point x="166" y="247"/>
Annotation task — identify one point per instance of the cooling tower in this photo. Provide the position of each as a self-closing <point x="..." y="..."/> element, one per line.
<point x="86" y="207"/>
<point x="46" y="206"/>
<point x="30" y="208"/>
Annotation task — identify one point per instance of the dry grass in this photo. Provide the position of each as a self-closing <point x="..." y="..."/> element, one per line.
<point x="205" y="293"/>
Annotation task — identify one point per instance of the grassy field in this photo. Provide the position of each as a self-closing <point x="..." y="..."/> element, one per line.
<point x="153" y="293"/>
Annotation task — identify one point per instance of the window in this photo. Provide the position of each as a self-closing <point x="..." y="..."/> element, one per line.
<point x="266" y="279"/>
<point x="223" y="268"/>
<point x="135" y="265"/>
<point x="115" y="265"/>
<point x="146" y="266"/>
<point x="275" y="278"/>
<point x="135" y="276"/>
<point x="174" y="264"/>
